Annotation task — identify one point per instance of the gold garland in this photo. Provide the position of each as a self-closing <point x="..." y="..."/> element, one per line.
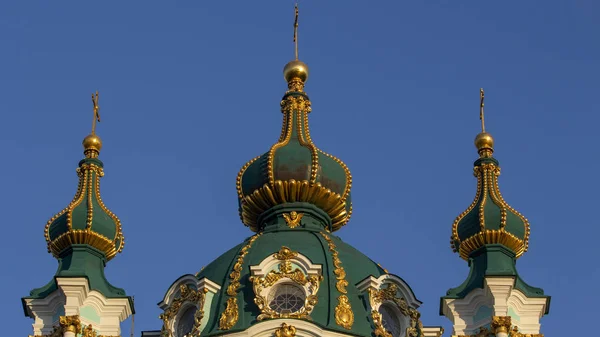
<point x="311" y="282"/>
<point x="231" y="314"/>
<point x="344" y="316"/>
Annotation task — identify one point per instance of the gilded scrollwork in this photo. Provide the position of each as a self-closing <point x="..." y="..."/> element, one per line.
<point x="285" y="331"/>
<point x="285" y="271"/>
<point x="389" y="294"/>
<point x="186" y="295"/>
<point x="344" y="316"/>
<point x="229" y="317"/>
<point x="293" y="219"/>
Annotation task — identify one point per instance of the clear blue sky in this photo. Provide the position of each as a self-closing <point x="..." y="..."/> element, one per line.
<point x="190" y="90"/>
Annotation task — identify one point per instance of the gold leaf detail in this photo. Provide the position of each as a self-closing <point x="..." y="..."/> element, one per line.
<point x="285" y="331"/>
<point x="344" y="316"/>
<point x="230" y="316"/>
<point x="293" y="219"/>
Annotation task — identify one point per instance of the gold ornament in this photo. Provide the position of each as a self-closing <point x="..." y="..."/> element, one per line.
<point x="344" y="316"/>
<point x="285" y="331"/>
<point x="293" y="219"/>
<point x="230" y="316"/>
<point x="70" y="323"/>
<point x="285" y="272"/>
<point x="186" y="295"/>
<point x="389" y="294"/>
<point x="501" y="324"/>
<point x="228" y="319"/>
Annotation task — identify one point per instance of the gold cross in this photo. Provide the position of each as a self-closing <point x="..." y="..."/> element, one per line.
<point x="96" y="112"/>
<point x="481" y="96"/>
<point x="296" y="30"/>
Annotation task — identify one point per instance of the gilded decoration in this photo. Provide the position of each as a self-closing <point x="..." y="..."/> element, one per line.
<point x="230" y="316"/>
<point x="344" y="316"/>
<point x="186" y="295"/>
<point x="488" y="191"/>
<point x="514" y="332"/>
<point x="285" y="331"/>
<point x="88" y="189"/>
<point x="293" y="219"/>
<point x="88" y="331"/>
<point x="285" y="272"/>
<point x="389" y="295"/>
<point x="501" y="324"/>
<point x="277" y="192"/>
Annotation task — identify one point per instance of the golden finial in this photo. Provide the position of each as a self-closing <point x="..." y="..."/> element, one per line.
<point x="484" y="141"/>
<point x="92" y="143"/>
<point x="296" y="71"/>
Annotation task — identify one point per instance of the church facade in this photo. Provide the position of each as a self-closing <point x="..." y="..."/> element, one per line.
<point x="293" y="276"/>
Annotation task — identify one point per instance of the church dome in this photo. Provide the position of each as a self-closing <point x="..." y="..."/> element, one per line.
<point x="301" y="274"/>
<point x="86" y="220"/>
<point x="294" y="169"/>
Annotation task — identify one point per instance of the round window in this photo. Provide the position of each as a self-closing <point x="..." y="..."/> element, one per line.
<point x="185" y="323"/>
<point x="286" y="298"/>
<point x="390" y="320"/>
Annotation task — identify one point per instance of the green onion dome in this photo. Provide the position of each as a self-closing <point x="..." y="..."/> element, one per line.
<point x="294" y="169"/>
<point x="86" y="220"/>
<point x="489" y="219"/>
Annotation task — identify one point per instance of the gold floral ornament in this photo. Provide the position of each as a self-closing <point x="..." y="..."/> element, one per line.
<point x="186" y="295"/>
<point x="230" y="316"/>
<point x="293" y="219"/>
<point x="285" y="272"/>
<point x="285" y="331"/>
<point x="88" y="331"/>
<point x="344" y="316"/>
<point x="389" y="294"/>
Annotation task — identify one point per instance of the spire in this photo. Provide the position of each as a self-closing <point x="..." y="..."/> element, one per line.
<point x="294" y="174"/>
<point x="86" y="220"/>
<point x="489" y="219"/>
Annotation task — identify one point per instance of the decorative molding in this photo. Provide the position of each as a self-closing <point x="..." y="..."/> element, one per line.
<point x="389" y="295"/>
<point x="344" y="316"/>
<point x="228" y="317"/>
<point x="293" y="219"/>
<point x="285" y="331"/>
<point x="187" y="297"/>
<point x="285" y="273"/>
<point x="378" y="283"/>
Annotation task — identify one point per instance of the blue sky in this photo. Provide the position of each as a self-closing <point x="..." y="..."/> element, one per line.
<point x="190" y="90"/>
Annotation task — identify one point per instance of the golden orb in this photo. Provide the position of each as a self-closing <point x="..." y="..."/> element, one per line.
<point x="295" y="69"/>
<point x="484" y="141"/>
<point x="92" y="142"/>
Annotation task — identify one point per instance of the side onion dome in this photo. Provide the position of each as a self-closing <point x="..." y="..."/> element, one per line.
<point x="86" y="220"/>
<point x="294" y="170"/>
<point x="489" y="219"/>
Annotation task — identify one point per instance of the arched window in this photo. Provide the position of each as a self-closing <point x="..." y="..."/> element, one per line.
<point x="390" y="321"/>
<point x="286" y="298"/>
<point x="185" y="322"/>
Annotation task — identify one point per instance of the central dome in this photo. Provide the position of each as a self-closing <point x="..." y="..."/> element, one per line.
<point x="294" y="169"/>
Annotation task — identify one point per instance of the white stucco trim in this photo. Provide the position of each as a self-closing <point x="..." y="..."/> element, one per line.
<point x="73" y="294"/>
<point x="376" y="283"/>
<point x="191" y="280"/>
<point x="500" y="296"/>
<point x="433" y="331"/>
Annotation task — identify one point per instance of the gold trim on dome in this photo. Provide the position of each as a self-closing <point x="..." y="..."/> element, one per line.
<point x="230" y="316"/>
<point x="186" y="295"/>
<point x="344" y="316"/>
<point x="286" y="271"/>
<point x="390" y="295"/>
<point x="487" y="188"/>
<point x="280" y="192"/>
<point x="292" y="219"/>
<point x="88" y="187"/>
